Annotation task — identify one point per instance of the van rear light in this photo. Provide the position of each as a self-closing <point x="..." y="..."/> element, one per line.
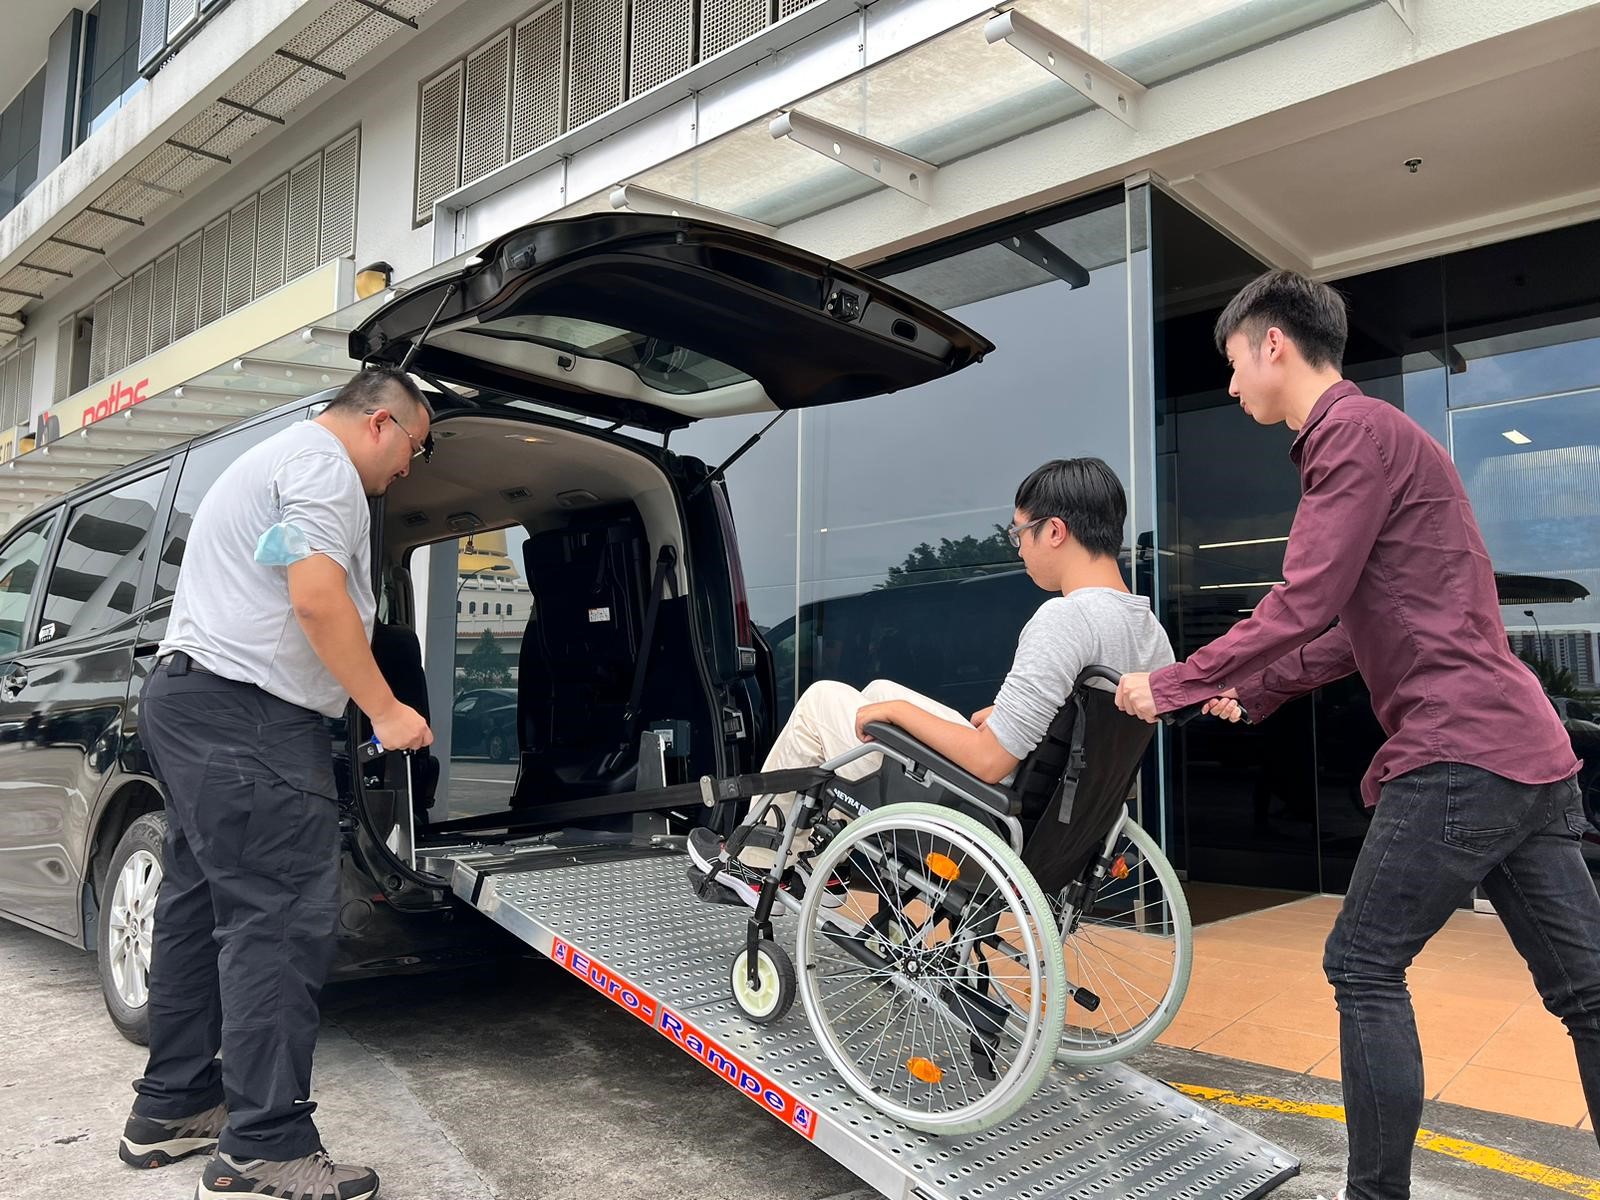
<point x="743" y="634"/>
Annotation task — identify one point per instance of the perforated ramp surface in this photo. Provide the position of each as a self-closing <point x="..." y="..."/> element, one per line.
<point x="633" y="930"/>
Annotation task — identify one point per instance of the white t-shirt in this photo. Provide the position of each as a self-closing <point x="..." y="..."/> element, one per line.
<point x="231" y="612"/>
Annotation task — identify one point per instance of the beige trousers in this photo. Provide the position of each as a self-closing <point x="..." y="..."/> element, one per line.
<point x="823" y="726"/>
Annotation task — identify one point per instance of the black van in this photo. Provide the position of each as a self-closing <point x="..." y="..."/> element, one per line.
<point x="539" y="355"/>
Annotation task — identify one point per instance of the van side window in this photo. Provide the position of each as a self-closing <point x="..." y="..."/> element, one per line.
<point x="95" y="578"/>
<point x="19" y="569"/>
<point x="201" y="469"/>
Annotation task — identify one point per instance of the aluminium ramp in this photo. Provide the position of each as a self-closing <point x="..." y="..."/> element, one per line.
<point x="629" y="926"/>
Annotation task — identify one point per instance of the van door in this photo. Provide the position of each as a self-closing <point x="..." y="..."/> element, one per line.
<point x="64" y="696"/>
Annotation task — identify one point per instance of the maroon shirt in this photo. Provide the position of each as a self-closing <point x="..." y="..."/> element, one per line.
<point x="1385" y="541"/>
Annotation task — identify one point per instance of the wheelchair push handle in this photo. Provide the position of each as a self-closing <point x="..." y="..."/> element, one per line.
<point x="1178" y="716"/>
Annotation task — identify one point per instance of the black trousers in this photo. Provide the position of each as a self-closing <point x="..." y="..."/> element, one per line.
<point x="246" y="916"/>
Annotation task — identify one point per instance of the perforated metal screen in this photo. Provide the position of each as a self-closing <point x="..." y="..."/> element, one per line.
<point x="439" y="139"/>
<point x="486" y="132"/>
<point x="724" y="23"/>
<point x="663" y="42"/>
<point x="597" y="66"/>
<point x="538" y="78"/>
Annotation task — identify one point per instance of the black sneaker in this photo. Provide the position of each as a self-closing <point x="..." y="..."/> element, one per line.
<point x="706" y="848"/>
<point x="314" y="1177"/>
<point x="834" y="889"/>
<point x="147" y="1142"/>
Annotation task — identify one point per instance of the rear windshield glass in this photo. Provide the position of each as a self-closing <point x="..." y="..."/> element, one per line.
<point x="661" y="364"/>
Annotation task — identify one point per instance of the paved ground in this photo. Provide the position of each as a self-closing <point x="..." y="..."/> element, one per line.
<point x="478" y="786"/>
<point x="516" y="1082"/>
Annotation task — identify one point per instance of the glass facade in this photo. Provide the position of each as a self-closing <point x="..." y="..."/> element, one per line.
<point x="870" y="532"/>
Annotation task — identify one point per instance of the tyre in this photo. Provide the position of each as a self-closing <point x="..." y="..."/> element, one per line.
<point x="937" y="990"/>
<point x="1133" y="947"/>
<point x="127" y="925"/>
<point x="498" y="748"/>
<point x="770" y="999"/>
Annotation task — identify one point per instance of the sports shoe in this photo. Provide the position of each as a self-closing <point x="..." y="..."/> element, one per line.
<point x="834" y="889"/>
<point x="706" y="848"/>
<point x="314" y="1177"/>
<point x="147" y="1142"/>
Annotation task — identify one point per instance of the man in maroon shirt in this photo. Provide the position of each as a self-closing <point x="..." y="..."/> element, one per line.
<point x="1386" y="573"/>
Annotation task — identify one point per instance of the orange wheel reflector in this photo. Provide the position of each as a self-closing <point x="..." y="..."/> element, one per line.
<point x="925" y="1069"/>
<point x="943" y="867"/>
<point x="1119" y="869"/>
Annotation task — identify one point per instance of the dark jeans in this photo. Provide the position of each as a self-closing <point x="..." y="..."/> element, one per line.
<point x="1438" y="832"/>
<point x="246" y="915"/>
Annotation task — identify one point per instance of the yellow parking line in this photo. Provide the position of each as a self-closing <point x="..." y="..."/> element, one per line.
<point x="1486" y="1157"/>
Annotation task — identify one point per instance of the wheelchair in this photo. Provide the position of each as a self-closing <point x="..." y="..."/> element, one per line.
<point x="958" y="938"/>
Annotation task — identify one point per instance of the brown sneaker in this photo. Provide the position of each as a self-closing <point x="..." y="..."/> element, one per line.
<point x="314" y="1177"/>
<point x="147" y="1142"/>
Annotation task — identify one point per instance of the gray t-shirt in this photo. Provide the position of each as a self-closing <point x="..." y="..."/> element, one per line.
<point x="231" y="613"/>
<point x="1087" y="627"/>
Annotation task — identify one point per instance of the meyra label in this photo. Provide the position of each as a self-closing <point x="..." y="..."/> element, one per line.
<point x="773" y="1097"/>
<point x="599" y="616"/>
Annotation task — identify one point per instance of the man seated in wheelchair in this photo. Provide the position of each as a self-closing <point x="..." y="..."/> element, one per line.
<point x="1067" y="529"/>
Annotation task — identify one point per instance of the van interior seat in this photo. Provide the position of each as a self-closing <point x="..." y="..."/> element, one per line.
<point x="398" y="653"/>
<point x="590" y="582"/>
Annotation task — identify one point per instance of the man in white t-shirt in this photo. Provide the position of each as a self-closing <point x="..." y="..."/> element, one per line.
<point x="270" y="635"/>
<point x="1067" y="528"/>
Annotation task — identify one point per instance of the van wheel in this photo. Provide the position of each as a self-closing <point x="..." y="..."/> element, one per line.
<point x="127" y="925"/>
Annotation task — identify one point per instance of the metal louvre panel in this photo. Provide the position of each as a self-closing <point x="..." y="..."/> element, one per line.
<point x="139" y="314"/>
<point x="162" y="284"/>
<point x="22" y="398"/>
<point x="213" y="270"/>
<point x="272" y="234"/>
<point x="340" y="165"/>
<point x="153" y="32"/>
<point x="597" y="60"/>
<point x="186" y="289"/>
<point x="662" y="42"/>
<point x="65" y="332"/>
<point x="8" y="387"/>
<point x="241" y="279"/>
<point x="725" y="23"/>
<point x="179" y="14"/>
<point x="538" y="79"/>
<point x="487" y="123"/>
<point x="438" y="140"/>
<point x="305" y="203"/>
<point x="99" y="337"/>
<point x="117" y="333"/>
<point x="787" y="8"/>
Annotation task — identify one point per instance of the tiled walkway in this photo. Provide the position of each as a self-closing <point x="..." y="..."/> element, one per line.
<point x="1258" y="995"/>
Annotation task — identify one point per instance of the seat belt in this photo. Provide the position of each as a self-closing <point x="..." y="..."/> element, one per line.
<point x="666" y="560"/>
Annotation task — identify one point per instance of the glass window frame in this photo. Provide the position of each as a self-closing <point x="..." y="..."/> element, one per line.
<point x="30" y="619"/>
<point x="145" y="585"/>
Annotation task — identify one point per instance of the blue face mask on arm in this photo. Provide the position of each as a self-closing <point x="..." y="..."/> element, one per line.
<point x="282" y="545"/>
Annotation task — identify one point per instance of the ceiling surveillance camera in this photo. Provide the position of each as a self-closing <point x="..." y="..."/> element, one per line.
<point x="1413" y="165"/>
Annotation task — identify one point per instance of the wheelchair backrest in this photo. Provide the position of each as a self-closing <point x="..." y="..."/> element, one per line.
<point x="1113" y="746"/>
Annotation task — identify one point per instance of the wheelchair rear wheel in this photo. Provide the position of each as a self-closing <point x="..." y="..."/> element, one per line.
<point x="937" y="988"/>
<point x="1128" y="955"/>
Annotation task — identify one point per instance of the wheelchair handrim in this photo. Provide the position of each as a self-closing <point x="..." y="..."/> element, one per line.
<point x="1036" y="930"/>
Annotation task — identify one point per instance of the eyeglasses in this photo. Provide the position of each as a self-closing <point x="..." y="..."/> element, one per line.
<point x="1014" y="531"/>
<point x="422" y="449"/>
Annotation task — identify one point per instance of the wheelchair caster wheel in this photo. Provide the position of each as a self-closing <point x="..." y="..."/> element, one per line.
<point x="771" y="997"/>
